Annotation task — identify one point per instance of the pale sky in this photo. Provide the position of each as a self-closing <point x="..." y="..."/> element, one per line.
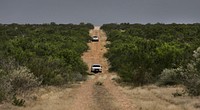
<point x="99" y="12"/>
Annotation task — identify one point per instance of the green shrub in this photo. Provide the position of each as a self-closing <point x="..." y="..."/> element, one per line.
<point x="192" y="83"/>
<point x="136" y="77"/>
<point x="22" y="79"/>
<point x="5" y="87"/>
<point x="192" y="79"/>
<point x="2" y="96"/>
<point x="139" y="53"/>
<point x="50" y="51"/>
<point x="48" y="54"/>
<point x="18" y="102"/>
<point x="188" y="76"/>
<point x="171" y="77"/>
<point x="16" y="81"/>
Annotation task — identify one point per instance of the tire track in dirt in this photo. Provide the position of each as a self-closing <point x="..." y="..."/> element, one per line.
<point x="103" y="98"/>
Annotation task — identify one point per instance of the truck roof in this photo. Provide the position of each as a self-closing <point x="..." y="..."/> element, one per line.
<point x="96" y="65"/>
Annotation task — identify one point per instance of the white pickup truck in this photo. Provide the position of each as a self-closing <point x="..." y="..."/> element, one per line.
<point x="95" y="38"/>
<point x="96" y="68"/>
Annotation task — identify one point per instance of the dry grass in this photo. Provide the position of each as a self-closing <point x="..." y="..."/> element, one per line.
<point x="161" y="98"/>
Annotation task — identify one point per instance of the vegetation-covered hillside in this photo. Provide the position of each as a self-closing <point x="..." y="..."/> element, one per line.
<point x="155" y="53"/>
<point x="34" y="54"/>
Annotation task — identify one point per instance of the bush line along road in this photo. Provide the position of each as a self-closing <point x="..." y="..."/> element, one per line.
<point x="101" y="92"/>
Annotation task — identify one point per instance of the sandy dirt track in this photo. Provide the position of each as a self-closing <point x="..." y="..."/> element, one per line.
<point x="107" y="96"/>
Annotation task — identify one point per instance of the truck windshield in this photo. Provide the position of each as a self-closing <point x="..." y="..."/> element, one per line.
<point x="96" y="65"/>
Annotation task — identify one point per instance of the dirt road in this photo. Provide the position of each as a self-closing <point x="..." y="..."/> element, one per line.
<point x="99" y="97"/>
<point x="88" y="95"/>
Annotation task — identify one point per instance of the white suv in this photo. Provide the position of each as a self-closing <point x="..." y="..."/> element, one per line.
<point x="96" y="68"/>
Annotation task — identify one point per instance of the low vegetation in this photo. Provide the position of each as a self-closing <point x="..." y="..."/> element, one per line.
<point x="99" y="83"/>
<point x="188" y="76"/>
<point x="155" y="53"/>
<point x="40" y="54"/>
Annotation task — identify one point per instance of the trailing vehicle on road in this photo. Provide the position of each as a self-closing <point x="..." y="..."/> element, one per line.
<point x="95" y="38"/>
<point x="96" y="68"/>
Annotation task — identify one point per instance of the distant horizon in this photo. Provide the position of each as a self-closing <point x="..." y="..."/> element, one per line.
<point x="99" y="12"/>
<point x="94" y="24"/>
